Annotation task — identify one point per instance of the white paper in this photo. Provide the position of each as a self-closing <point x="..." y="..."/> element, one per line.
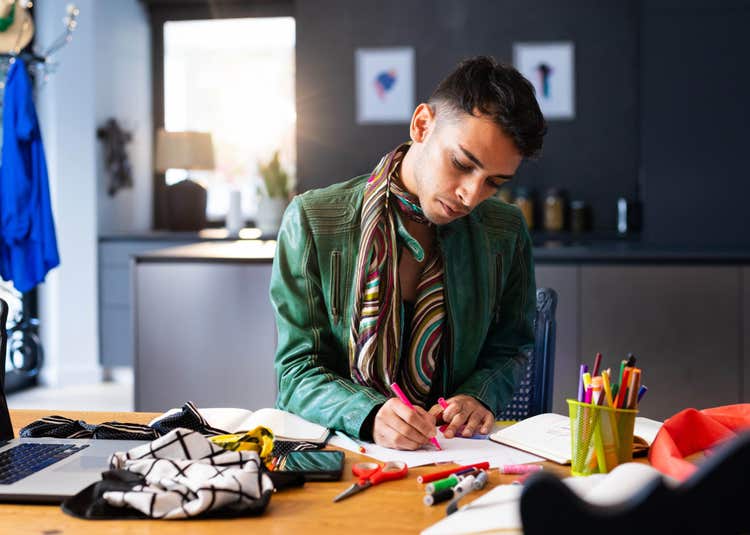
<point x="455" y="450"/>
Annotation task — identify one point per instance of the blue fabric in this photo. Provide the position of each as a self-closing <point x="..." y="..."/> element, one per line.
<point x="28" y="246"/>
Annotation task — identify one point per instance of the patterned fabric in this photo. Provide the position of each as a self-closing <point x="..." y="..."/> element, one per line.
<point x="375" y="335"/>
<point x="61" y="427"/>
<point x="185" y="475"/>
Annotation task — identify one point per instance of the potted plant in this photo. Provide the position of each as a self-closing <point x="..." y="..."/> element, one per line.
<point x="274" y="196"/>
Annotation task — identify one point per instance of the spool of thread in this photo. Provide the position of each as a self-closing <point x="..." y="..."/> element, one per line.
<point x="480" y="480"/>
<point x="519" y="468"/>
<point x="438" y="497"/>
<point x="436" y="486"/>
<point x="464" y="486"/>
<point x="445" y="473"/>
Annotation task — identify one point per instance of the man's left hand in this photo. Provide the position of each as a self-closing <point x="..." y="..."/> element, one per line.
<point x="463" y="410"/>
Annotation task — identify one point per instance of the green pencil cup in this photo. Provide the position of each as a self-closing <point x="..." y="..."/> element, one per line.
<point x="600" y="437"/>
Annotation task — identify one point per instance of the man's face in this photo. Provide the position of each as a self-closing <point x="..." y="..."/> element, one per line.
<point x="461" y="162"/>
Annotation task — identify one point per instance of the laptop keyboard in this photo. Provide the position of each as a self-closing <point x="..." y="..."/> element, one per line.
<point x="23" y="460"/>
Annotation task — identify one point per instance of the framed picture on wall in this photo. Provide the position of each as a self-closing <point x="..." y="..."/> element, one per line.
<point x="384" y="85"/>
<point x="549" y="67"/>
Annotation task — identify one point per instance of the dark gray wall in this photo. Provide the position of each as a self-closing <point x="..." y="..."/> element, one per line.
<point x="696" y="122"/>
<point x="594" y="157"/>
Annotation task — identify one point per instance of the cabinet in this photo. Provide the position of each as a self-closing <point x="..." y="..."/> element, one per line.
<point x="682" y="322"/>
<point x="115" y="307"/>
<point x="204" y="330"/>
<point x="689" y="325"/>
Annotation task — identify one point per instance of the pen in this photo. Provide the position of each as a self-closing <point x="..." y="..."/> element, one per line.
<point x="622" y="394"/>
<point x="635" y="386"/>
<point x="607" y="387"/>
<point x="642" y="392"/>
<point x="350" y="441"/>
<point x="581" y="386"/>
<point x="597" y="363"/>
<point x="400" y="393"/>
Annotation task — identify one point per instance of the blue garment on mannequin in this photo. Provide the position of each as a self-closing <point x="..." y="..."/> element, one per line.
<point x="28" y="246"/>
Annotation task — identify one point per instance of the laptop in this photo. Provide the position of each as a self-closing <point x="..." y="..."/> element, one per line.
<point x="46" y="470"/>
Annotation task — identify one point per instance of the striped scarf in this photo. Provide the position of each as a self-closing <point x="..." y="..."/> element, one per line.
<point x="375" y="338"/>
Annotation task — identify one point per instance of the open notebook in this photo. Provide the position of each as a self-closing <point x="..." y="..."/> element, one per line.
<point x="499" y="509"/>
<point x="548" y="435"/>
<point x="283" y="424"/>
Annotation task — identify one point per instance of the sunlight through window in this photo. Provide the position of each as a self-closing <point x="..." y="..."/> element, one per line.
<point x="235" y="79"/>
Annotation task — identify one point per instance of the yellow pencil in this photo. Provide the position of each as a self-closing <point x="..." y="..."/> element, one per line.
<point x="607" y="388"/>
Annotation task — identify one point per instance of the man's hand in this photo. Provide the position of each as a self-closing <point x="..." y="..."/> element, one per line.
<point x="397" y="426"/>
<point x="463" y="410"/>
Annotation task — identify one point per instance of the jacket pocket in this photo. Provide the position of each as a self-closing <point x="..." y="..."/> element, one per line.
<point x="336" y="286"/>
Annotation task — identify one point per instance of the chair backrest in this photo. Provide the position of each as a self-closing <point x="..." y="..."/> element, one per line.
<point x="534" y="394"/>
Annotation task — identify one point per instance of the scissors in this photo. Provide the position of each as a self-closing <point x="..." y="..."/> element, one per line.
<point x="370" y="474"/>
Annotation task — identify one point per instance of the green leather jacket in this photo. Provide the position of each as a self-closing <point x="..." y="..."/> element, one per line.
<point x="490" y="301"/>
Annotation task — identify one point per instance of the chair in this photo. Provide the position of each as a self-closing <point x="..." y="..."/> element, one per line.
<point x="534" y="394"/>
<point x="712" y="500"/>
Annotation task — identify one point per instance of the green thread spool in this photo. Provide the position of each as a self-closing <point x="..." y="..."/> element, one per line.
<point x="450" y="481"/>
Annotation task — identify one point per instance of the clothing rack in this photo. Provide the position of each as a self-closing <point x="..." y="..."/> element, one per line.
<point x="25" y="353"/>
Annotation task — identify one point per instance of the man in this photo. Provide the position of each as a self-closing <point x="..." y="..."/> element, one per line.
<point x="413" y="274"/>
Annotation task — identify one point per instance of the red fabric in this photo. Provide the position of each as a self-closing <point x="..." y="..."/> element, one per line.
<point x="692" y="431"/>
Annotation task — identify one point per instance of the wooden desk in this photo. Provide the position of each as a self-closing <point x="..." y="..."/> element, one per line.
<point x="394" y="507"/>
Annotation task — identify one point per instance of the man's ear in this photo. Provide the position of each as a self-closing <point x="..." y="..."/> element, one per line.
<point x="422" y="123"/>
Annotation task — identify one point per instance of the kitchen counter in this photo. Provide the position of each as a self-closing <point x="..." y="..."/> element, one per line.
<point x="216" y="248"/>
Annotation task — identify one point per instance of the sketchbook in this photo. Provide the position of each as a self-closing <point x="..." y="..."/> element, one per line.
<point x="283" y="424"/>
<point x="548" y="435"/>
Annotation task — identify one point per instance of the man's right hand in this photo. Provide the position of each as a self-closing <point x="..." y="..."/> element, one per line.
<point x="398" y="426"/>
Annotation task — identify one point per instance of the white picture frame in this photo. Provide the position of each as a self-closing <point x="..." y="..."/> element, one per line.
<point x="385" y="85"/>
<point x="549" y="66"/>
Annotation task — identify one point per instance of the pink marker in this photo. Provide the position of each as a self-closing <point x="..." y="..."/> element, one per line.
<point x="519" y="468"/>
<point x="400" y="393"/>
<point x="442" y="403"/>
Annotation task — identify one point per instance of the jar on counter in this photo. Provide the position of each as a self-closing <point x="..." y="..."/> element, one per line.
<point x="526" y="204"/>
<point x="578" y="216"/>
<point x="554" y="211"/>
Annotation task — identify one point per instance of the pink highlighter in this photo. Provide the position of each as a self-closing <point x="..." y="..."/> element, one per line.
<point x="400" y="393"/>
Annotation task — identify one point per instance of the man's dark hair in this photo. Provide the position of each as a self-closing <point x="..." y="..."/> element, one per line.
<point x="500" y="92"/>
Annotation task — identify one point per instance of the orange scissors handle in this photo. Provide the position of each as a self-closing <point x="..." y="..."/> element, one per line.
<point x="370" y="474"/>
<point x="390" y="471"/>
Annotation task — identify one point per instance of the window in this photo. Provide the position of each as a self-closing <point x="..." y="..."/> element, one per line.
<point x="235" y="79"/>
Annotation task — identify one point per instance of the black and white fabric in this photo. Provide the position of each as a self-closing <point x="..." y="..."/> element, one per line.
<point x="189" y="417"/>
<point x="61" y="427"/>
<point x="179" y="475"/>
